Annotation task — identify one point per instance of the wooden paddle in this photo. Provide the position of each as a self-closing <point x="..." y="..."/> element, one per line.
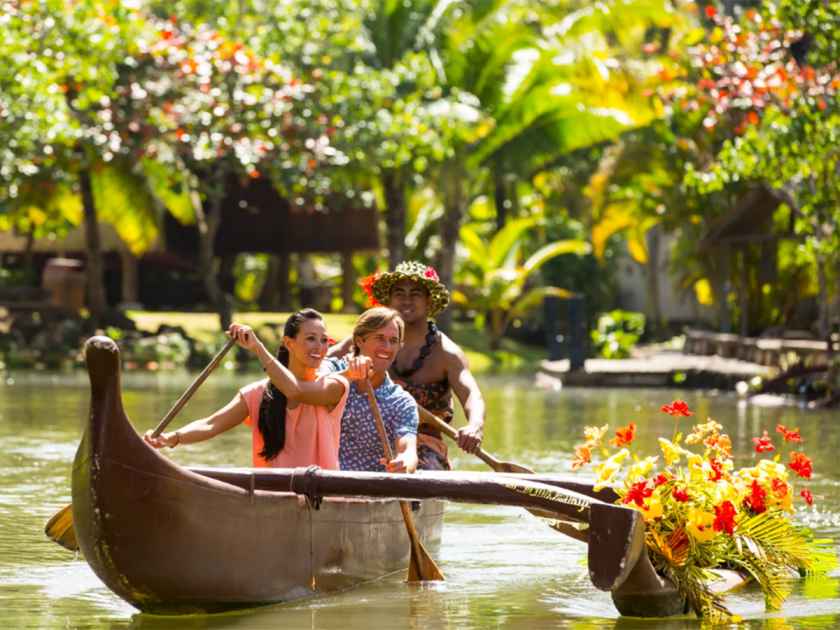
<point x="564" y="527"/>
<point x="427" y="417"/>
<point x="60" y="527"/>
<point x="421" y="567"/>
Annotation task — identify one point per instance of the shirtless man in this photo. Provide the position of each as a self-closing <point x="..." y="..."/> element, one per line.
<point x="430" y="366"/>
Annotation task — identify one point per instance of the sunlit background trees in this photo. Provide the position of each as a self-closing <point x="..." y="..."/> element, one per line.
<point x="517" y="145"/>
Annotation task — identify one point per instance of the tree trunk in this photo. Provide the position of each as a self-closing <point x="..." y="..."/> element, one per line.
<point x="275" y="291"/>
<point x="93" y="267"/>
<point x="450" y="226"/>
<point x="395" y="211"/>
<point x="654" y="302"/>
<point x="348" y="282"/>
<point x="208" y="220"/>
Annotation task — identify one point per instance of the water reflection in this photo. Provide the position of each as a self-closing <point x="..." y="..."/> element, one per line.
<point x="504" y="568"/>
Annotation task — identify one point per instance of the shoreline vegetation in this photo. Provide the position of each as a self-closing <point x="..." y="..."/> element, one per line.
<point x="165" y="340"/>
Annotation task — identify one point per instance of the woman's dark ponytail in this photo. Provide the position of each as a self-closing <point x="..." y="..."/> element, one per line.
<point x="272" y="420"/>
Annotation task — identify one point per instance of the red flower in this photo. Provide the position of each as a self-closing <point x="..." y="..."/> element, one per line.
<point x="677" y="408"/>
<point x="710" y="11"/>
<point x="756" y="500"/>
<point x="780" y="488"/>
<point x="806" y="494"/>
<point x="680" y="494"/>
<point x="431" y="274"/>
<point x="725" y="518"/>
<point x="638" y="492"/>
<point x="717" y="469"/>
<point x="789" y="435"/>
<point x="624" y="435"/>
<point x="763" y="444"/>
<point x="801" y="464"/>
<point x="660" y="479"/>
<point x="367" y="286"/>
<point x="331" y="341"/>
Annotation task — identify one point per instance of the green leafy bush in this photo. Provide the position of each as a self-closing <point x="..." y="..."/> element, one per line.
<point x="616" y="333"/>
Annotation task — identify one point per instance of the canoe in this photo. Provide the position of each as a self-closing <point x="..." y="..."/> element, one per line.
<point x="167" y="539"/>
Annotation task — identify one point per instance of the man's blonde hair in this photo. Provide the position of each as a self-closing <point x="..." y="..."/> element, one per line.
<point x="372" y="320"/>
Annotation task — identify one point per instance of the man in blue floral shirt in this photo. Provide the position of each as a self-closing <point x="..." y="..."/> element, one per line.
<point x="378" y="336"/>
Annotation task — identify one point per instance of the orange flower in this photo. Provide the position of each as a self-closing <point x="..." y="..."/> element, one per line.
<point x="677" y="408"/>
<point x="801" y="464"/>
<point x="789" y="435"/>
<point x="624" y="435"/>
<point x="583" y="455"/>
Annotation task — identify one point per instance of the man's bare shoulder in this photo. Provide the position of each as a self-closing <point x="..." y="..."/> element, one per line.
<point x="451" y="350"/>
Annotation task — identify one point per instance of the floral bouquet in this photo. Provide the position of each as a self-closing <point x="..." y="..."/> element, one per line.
<point x="701" y="513"/>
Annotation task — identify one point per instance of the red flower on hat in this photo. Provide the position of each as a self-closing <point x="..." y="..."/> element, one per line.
<point x="367" y="286"/>
<point x="431" y="274"/>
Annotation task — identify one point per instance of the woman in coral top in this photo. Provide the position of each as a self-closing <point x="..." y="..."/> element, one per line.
<point x="295" y="414"/>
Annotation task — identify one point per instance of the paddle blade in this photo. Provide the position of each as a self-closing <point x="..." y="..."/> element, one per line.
<point x="510" y="467"/>
<point x="60" y="528"/>
<point x="421" y="567"/>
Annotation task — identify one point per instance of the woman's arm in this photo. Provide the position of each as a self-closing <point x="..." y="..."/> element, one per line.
<point x="325" y="392"/>
<point x="202" y="429"/>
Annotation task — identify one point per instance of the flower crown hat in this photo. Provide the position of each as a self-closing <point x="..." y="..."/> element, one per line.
<point x="378" y="286"/>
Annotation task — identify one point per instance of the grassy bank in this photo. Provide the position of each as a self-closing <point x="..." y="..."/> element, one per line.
<point x="513" y="356"/>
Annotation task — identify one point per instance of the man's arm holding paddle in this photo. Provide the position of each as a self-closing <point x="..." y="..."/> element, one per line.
<point x="463" y="383"/>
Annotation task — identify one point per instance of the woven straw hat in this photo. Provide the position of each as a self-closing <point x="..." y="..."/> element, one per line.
<point x="378" y="286"/>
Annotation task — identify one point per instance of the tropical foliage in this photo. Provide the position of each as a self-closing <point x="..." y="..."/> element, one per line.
<point x="702" y="512"/>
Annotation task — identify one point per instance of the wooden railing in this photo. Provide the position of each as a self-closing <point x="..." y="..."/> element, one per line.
<point x="772" y="351"/>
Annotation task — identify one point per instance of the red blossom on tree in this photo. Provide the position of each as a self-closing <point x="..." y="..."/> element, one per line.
<point x="763" y="444"/>
<point x="677" y="408"/>
<point x="624" y="435"/>
<point x="789" y="435"/>
<point x="801" y="464"/>
<point x="806" y="494"/>
<point x="724" y="518"/>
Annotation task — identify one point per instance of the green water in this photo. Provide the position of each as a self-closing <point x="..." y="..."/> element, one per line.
<point x="504" y="568"/>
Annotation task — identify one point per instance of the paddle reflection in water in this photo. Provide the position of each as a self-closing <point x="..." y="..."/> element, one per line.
<point x="504" y="568"/>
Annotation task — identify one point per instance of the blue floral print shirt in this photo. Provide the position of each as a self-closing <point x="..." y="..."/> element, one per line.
<point x="360" y="447"/>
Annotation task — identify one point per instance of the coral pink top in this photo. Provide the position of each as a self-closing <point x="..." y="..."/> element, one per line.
<point x="312" y="431"/>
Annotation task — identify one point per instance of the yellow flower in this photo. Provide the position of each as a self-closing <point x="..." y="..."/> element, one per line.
<point x="652" y="509"/>
<point x="700" y="525"/>
<point x="671" y="451"/>
<point x="701" y="431"/>
<point x="726" y="491"/>
<point x="594" y="435"/>
<point x="607" y="470"/>
<point x="641" y="469"/>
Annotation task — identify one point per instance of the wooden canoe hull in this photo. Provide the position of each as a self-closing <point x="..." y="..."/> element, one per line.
<point x="168" y="540"/>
